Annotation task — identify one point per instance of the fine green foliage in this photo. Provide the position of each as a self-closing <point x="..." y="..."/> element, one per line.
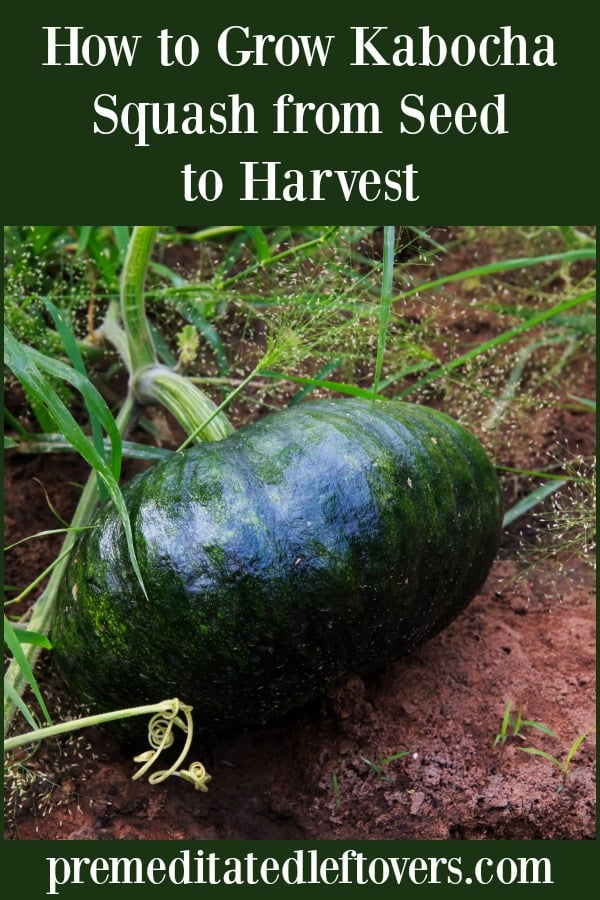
<point x="498" y="340"/>
<point x="564" y="766"/>
<point x="13" y="638"/>
<point x="28" y="365"/>
<point x="533" y="499"/>
<point x="512" y="726"/>
<point x="383" y="762"/>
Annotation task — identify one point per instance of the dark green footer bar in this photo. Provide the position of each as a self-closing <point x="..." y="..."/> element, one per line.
<point x="294" y="868"/>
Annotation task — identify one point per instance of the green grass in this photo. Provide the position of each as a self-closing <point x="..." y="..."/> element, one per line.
<point x="564" y="765"/>
<point x="383" y="762"/>
<point x="512" y="726"/>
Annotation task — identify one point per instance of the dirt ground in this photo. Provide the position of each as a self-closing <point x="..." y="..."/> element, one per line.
<point x="325" y="771"/>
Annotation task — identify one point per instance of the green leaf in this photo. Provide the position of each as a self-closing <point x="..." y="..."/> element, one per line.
<point x="32" y="637"/>
<point x="45" y="533"/>
<point x="506" y="265"/>
<point x="57" y="443"/>
<point x="84" y="236"/>
<point x="64" y="327"/>
<point x="389" y="234"/>
<point x="339" y="387"/>
<point x="585" y="401"/>
<point x="260" y="242"/>
<point x="26" y="363"/>
<point x="165" y="272"/>
<point x="327" y="369"/>
<point x="121" y="233"/>
<point x="13" y="643"/>
<point x="390" y="759"/>
<point x="235" y="249"/>
<point x="40" y="237"/>
<point x="191" y="311"/>
<point x="531" y="500"/>
<point x="535" y="752"/>
<point x="540" y="727"/>
<point x="575" y="747"/>
<point x="22" y="361"/>
<point x="506" y="718"/>
<point x="537" y="319"/>
<point x="20" y="704"/>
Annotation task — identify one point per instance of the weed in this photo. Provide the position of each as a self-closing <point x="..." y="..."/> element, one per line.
<point x="511" y="727"/>
<point x="384" y="761"/>
<point x="517" y="724"/>
<point x="563" y="767"/>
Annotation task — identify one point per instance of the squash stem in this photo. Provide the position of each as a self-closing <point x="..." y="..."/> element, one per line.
<point x="111" y="331"/>
<point x="139" y="340"/>
<point x="190" y="406"/>
<point x="49" y="731"/>
<point x="150" y="381"/>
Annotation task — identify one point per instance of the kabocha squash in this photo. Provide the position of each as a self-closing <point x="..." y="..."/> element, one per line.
<point x="323" y="540"/>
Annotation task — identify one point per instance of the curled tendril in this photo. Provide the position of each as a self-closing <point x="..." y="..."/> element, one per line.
<point x="197" y="775"/>
<point x="160" y="732"/>
<point x="160" y="736"/>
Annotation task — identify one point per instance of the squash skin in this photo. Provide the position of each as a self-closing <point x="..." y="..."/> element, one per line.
<point x="321" y="541"/>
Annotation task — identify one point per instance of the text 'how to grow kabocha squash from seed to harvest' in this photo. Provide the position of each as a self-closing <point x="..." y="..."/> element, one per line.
<point x="324" y="540"/>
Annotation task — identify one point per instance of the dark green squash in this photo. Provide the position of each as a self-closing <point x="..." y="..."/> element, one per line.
<point x="323" y="540"/>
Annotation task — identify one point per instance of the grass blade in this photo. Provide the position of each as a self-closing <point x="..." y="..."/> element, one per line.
<point x="389" y="235"/>
<point x="38" y="579"/>
<point x="575" y="747"/>
<point x="41" y="534"/>
<point x="32" y="637"/>
<point x="64" y="327"/>
<point x="29" y="362"/>
<point x="540" y="727"/>
<point x="531" y="500"/>
<point x="84" y="236"/>
<point x="338" y="386"/>
<point x="585" y="401"/>
<point x="534" y="751"/>
<point x="496" y="268"/>
<point x="188" y="309"/>
<point x="11" y="694"/>
<point x="22" y="362"/>
<point x="500" y="339"/>
<point x="327" y="369"/>
<point x="122" y="234"/>
<point x="56" y="443"/>
<point x="501" y="736"/>
<point x="233" y="252"/>
<point x="14" y="645"/>
<point x="395" y="756"/>
<point x="260" y="241"/>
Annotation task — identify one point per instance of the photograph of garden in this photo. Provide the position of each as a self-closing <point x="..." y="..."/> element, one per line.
<point x="299" y="532"/>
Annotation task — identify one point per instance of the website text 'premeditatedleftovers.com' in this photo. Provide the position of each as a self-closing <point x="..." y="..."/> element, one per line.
<point x="300" y="867"/>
